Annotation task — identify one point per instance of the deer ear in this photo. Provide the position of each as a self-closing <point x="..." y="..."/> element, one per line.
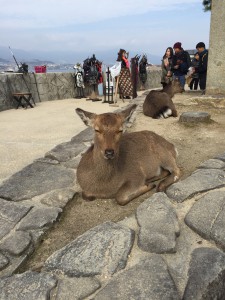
<point x="128" y="113"/>
<point x="86" y="116"/>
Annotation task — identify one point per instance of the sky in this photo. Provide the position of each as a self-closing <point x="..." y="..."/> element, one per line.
<point x="142" y="26"/>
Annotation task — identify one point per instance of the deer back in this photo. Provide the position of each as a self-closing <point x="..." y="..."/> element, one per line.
<point x="158" y="102"/>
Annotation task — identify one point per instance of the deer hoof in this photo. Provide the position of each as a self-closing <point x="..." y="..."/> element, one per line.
<point x="161" y="188"/>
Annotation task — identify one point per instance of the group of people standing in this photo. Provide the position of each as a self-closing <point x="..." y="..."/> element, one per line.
<point x="176" y="63"/>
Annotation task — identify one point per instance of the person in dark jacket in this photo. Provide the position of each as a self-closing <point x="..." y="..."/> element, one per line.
<point x="195" y="75"/>
<point x="203" y="64"/>
<point x="181" y="63"/>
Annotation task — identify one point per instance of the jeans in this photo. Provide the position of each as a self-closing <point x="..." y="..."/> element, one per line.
<point x="181" y="79"/>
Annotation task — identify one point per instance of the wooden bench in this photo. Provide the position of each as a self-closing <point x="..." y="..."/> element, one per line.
<point x="23" y="99"/>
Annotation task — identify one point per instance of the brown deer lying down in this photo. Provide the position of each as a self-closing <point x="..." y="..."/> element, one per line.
<point x="124" y="165"/>
<point x="159" y="104"/>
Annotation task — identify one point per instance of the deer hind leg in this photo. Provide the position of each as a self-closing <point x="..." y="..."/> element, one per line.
<point x="127" y="193"/>
<point x="174" y="113"/>
<point x="173" y="177"/>
<point x="163" y="174"/>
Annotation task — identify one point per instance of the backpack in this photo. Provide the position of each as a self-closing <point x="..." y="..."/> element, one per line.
<point x="184" y="67"/>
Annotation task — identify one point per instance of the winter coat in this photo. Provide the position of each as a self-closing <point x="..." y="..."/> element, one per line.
<point x="165" y="69"/>
<point x="182" y="59"/>
<point x="195" y="65"/>
<point x="203" y="62"/>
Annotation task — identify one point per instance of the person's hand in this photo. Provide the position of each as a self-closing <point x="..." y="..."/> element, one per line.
<point x="176" y="67"/>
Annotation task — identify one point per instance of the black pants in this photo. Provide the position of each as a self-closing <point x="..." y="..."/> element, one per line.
<point x="202" y="81"/>
<point x="194" y="82"/>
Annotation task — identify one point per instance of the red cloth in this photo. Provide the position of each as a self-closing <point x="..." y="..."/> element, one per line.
<point x="99" y="68"/>
<point x="126" y="62"/>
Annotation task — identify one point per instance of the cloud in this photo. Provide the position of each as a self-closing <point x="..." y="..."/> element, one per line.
<point x="103" y="25"/>
<point x="53" y="13"/>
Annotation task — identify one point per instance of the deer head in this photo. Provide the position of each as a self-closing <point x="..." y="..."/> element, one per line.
<point x="108" y="128"/>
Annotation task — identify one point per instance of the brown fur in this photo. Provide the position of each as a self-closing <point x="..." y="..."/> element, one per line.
<point x="158" y="102"/>
<point x="124" y="165"/>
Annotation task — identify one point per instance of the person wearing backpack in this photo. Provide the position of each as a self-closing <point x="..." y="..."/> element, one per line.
<point x="181" y="63"/>
<point x="203" y="63"/>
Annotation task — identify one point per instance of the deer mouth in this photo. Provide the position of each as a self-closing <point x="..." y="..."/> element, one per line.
<point x="109" y="154"/>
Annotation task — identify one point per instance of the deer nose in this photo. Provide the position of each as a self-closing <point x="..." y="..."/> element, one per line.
<point x="109" y="153"/>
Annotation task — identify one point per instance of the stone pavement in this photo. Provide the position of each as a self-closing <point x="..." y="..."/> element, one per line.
<point x="171" y="248"/>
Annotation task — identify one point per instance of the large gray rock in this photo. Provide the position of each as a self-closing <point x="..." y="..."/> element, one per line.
<point x="206" y="275"/>
<point x="36" y="179"/>
<point x="10" y="215"/>
<point x="194" y="117"/>
<point x="149" y="279"/>
<point x="72" y="163"/>
<point x="213" y="164"/>
<point x="16" y="243"/>
<point x="207" y="217"/>
<point x="27" y="286"/>
<point x="15" y="262"/>
<point x="158" y="223"/>
<point x="76" y="288"/>
<point x="221" y="156"/>
<point x="201" y="180"/>
<point x="101" y="250"/>
<point x="84" y="136"/>
<point x="3" y="261"/>
<point x="38" y="218"/>
<point x="65" y="151"/>
<point x="57" y="198"/>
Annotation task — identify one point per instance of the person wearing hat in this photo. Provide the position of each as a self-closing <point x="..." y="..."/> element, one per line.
<point x="181" y="63"/>
<point x="203" y="64"/>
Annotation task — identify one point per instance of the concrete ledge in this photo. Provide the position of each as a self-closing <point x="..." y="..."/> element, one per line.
<point x="52" y="86"/>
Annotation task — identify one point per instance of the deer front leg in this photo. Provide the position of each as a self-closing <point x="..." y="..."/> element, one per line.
<point x="164" y="173"/>
<point x="127" y="193"/>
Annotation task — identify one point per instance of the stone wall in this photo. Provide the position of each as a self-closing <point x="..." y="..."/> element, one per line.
<point x="50" y="86"/>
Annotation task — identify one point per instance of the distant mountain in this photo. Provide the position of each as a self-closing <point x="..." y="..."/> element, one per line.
<point x="2" y="60"/>
<point x="68" y="57"/>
